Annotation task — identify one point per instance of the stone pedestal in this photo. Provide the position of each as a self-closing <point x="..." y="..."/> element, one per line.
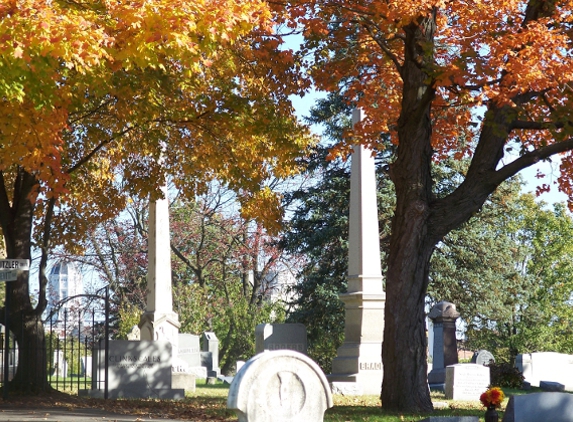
<point x="443" y="316"/>
<point x="357" y="368"/>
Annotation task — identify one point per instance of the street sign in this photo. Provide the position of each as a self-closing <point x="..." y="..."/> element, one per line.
<point x="11" y="275"/>
<point x="14" y="264"/>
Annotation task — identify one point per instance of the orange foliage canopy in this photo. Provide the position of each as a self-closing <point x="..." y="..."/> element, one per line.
<point x="509" y="52"/>
<point x="92" y="93"/>
<point x="442" y="78"/>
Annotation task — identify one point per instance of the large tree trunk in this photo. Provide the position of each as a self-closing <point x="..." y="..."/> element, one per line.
<point x="404" y="348"/>
<point x="31" y="375"/>
<point x="24" y="319"/>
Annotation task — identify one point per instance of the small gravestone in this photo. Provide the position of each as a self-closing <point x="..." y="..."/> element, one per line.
<point x="60" y="364"/>
<point x="189" y="355"/>
<point x="280" y="337"/>
<point x="210" y="353"/>
<point x="189" y="349"/>
<point x="551" y="386"/>
<point x="466" y="381"/>
<point x="87" y="366"/>
<point x="451" y="419"/>
<point x="183" y="380"/>
<point x="540" y="407"/>
<point x="280" y="385"/>
<point x="483" y="357"/>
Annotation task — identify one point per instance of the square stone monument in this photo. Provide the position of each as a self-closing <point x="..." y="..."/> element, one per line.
<point x="136" y="369"/>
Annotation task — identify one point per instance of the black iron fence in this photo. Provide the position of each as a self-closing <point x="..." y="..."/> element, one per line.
<point x="72" y="336"/>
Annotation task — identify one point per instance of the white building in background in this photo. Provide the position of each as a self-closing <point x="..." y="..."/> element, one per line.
<point x="276" y="285"/>
<point x="64" y="281"/>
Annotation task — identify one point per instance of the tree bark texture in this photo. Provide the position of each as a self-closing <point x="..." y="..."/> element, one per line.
<point x="25" y="322"/>
<point x="404" y="348"/>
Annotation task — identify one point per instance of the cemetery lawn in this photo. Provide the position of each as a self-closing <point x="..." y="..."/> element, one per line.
<point x="208" y="404"/>
<point x="367" y="408"/>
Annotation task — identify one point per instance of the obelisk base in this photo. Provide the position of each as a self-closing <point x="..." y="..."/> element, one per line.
<point x="160" y="326"/>
<point x="357" y="368"/>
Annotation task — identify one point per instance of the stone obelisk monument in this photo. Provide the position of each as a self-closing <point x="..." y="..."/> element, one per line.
<point x="159" y="322"/>
<point x="357" y="369"/>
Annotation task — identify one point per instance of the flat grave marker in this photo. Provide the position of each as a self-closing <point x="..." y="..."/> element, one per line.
<point x="540" y="407"/>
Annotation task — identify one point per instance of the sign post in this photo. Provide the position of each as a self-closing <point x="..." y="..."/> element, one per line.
<point x="9" y="270"/>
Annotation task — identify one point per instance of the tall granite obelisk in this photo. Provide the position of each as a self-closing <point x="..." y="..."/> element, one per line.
<point x="357" y="369"/>
<point x="159" y="322"/>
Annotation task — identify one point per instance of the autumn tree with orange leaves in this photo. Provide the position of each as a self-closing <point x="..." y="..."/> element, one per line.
<point x="104" y="99"/>
<point x="445" y="79"/>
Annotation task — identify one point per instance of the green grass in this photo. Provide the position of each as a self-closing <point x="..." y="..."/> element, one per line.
<point x="365" y="408"/>
<point x="219" y="390"/>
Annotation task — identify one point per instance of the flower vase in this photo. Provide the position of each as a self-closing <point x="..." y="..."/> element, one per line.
<point x="491" y="414"/>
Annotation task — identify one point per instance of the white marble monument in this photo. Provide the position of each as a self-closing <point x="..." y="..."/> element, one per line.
<point x="159" y="322"/>
<point x="357" y="369"/>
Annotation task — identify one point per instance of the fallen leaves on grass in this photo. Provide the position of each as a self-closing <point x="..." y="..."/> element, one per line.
<point x="189" y="409"/>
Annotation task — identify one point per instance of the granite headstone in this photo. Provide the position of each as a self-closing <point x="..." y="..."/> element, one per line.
<point x="189" y="349"/>
<point x="483" y="357"/>
<point x="445" y="350"/>
<point x="210" y="353"/>
<point x="136" y="369"/>
<point x="280" y="337"/>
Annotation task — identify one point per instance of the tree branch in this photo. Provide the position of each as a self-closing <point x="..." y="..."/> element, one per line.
<point x="42" y="277"/>
<point x="89" y="156"/>
<point x="529" y="125"/>
<point x="382" y="45"/>
<point x="530" y="158"/>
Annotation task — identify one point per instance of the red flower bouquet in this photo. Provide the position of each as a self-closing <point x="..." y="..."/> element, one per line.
<point x="492" y="397"/>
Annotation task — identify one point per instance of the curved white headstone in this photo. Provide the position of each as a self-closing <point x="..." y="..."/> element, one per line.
<point x="280" y="386"/>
